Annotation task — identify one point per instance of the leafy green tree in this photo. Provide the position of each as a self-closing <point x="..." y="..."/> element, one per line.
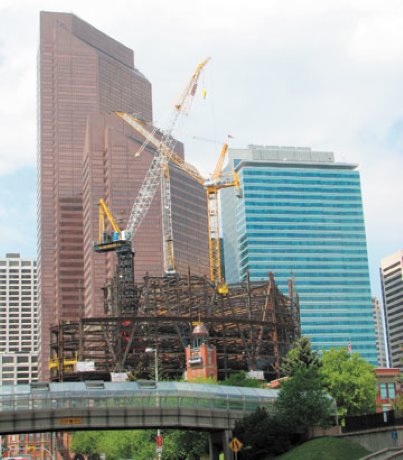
<point x="186" y="445"/>
<point x="350" y="380"/>
<point x="261" y="435"/>
<point x="240" y="379"/>
<point x="398" y="404"/>
<point x="140" y="444"/>
<point x="300" y="356"/>
<point x="302" y="401"/>
<point x="85" y="442"/>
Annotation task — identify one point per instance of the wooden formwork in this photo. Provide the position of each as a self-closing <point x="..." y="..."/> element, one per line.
<point x="252" y="327"/>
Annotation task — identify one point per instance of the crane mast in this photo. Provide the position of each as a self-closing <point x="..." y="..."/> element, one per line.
<point x="120" y="241"/>
<point x="213" y="185"/>
<point x="164" y="149"/>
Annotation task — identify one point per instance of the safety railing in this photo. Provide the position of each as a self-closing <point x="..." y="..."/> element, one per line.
<point x="143" y="399"/>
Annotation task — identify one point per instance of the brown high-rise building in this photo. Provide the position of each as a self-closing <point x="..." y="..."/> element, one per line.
<point x="111" y="171"/>
<point x="86" y="153"/>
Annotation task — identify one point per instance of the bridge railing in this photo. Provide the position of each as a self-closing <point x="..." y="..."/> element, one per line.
<point x="143" y="399"/>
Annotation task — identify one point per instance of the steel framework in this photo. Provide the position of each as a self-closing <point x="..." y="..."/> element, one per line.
<point x="252" y="327"/>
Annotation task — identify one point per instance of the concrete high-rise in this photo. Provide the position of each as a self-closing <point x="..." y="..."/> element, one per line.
<point x="18" y="320"/>
<point x="391" y="271"/>
<point x="379" y="332"/>
<point x="301" y="215"/>
<point x="83" y="156"/>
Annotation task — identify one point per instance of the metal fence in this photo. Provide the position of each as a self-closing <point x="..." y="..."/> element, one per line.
<point x="368" y="421"/>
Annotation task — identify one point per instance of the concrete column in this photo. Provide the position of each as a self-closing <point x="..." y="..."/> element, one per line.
<point x="226" y="438"/>
<point x="219" y="442"/>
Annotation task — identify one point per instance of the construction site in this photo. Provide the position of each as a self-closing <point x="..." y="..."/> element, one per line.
<point x="252" y="328"/>
<point x="252" y="325"/>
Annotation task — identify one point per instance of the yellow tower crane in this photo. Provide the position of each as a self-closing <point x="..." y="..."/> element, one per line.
<point x="217" y="181"/>
<point x="121" y="240"/>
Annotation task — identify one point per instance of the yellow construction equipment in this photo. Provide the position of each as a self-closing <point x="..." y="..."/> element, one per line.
<point x="159" y="173"/>
<point x="155" y="176"/>
<point x="68" y="364"/>
<point x="217" y="181"/>
<point x="110" y="241"/>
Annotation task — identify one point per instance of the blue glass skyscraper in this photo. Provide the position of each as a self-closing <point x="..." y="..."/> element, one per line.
<point x="301" y="216"/>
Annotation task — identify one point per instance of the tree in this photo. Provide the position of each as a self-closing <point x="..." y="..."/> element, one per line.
<point x="261" y="435"/>
<point x="85" y="442"/>
<point x="300" y="356"/>
<point x="186" y="445"/>
<point x="350" y="380"/>
<point x="240" y="379"/>
<point x="140" y="444"/>
<point x="302" y="401"/>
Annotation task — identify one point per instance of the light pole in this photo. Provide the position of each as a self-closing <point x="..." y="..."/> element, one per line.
<point x="155" y="351"/>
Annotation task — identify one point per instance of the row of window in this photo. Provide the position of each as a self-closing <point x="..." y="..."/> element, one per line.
<point x="282" y="219"/>
<point x="302" y="212"/>
<point x="306" y="191"/>
<point x="295" y="240"/>
<point x="295" y="204"/>
<point x="307" y="251"/>
<point x="330" y="267"/>
<point x="350" y="323"/>
<point x="348" y="312"/>
<point x="344" y="340"/>
<point x="20" y="359"/>
<point x="314" y="228"/>
<point x="302" y="259"/>
<point x="322" y="238"/>
<point x="297" y="172"/>
<point x="324" y="199"/>
<point x="306" y="182"/>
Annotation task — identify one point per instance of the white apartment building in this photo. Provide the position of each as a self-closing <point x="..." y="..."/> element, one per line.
<point x="392" y="291"/>
<point x="18" y="320"/>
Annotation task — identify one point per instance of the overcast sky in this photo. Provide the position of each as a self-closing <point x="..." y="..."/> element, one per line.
<point x="322" y="74"/>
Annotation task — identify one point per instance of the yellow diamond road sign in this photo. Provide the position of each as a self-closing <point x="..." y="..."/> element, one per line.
<point x="235" y="445"/>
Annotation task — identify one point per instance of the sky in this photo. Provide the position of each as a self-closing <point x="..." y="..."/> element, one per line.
<point x="322" y="74"/>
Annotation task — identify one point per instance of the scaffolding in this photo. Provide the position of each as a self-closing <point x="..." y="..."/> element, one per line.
<point x="252" y="328"/>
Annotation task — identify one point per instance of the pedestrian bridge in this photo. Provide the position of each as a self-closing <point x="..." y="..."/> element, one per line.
<point x="96" y="405"/>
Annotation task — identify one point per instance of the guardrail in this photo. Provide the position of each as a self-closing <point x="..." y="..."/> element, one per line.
<point x="79" y="406"/>
<point x="162" y="395"/>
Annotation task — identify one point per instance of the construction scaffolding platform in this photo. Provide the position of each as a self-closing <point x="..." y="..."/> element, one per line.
<point x="252" y="328"/>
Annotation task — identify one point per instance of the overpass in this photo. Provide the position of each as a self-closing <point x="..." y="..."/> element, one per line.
<point x="96" y="405"/>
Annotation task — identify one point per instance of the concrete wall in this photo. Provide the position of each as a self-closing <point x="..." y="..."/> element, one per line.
<point x="377" y="438"/>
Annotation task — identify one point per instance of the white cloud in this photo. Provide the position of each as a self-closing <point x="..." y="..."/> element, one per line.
<point x="295" y="72"/>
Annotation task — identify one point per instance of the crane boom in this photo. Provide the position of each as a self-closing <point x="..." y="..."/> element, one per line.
<point x="213" y="184"/>
<point x="164" y="151"/>
<point x="151" y="138"/>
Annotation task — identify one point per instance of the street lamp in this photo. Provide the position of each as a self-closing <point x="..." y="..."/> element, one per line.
<point x="155" y="351"/>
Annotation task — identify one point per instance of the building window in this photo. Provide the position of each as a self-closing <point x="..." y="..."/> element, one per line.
<point x="387" y="390"/>
<point x="391" y="391"/>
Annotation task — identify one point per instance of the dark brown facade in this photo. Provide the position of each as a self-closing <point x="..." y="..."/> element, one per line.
<point x="85" y="154"/>
<point x="112" y="171"/>
<point x="81" y="71"/>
